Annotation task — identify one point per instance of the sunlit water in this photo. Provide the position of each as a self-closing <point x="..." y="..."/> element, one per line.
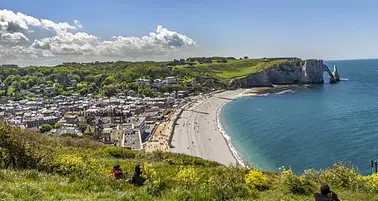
<point x="310" y="128"/>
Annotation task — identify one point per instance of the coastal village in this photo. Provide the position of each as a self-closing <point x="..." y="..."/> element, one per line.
<point x="125" y="120"/>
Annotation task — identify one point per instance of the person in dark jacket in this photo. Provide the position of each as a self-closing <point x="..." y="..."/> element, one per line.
<point x="117" y="172"/>
<point x="326" y="194"/>
<point x="137" y="178"/>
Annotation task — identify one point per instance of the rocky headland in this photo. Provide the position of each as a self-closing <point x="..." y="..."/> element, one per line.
<point x="288" y="73"/>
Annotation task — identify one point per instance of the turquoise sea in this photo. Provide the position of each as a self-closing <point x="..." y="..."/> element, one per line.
<point x="310" y="127"/>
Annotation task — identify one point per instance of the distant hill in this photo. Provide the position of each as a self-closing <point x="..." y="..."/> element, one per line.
<point x="37" y="167"/>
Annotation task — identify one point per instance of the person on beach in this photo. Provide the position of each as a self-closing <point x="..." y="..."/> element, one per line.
<point x="117" y="172"/>
<point x="326" y="194"/>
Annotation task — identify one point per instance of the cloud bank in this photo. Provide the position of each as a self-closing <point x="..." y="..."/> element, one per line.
<point x="24" y="37"/>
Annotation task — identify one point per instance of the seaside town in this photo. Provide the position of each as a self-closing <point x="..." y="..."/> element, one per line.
<point x="125" y="120"/>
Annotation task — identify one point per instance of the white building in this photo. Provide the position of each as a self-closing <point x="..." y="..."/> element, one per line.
<point x="157" y="83"/>
<point x="140" y="124"/>
<point x="144" y="81"/>
<point x="171" y="80"/>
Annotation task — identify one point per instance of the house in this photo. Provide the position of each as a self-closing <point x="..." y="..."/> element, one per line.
<point x="131" y="93"/>
<point x="157" y="83"/>
<point x="73" y="82"/>
<point x="33" y="121"/>
<point x="140" y="124"/>
<point x="48" y="90"/>
<point x="123" y="136"/>
<point x="50" y="119"/>
<point x="68" y="130"/>
<point x="24" y="92"/>
<point x="132" y="139"/>
<point x="3" y="87"/>
<point x="34" y="89"/>
<point x="144" y="81"/>
<point x="92" y="130"/>
<point x="71" y="119"/>
<point x="182" y="94"/>
<point x="171" y="80"/>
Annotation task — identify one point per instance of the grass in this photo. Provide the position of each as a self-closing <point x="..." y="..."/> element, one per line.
<point x="234" y="68"/>
<point x="37" y="167"/>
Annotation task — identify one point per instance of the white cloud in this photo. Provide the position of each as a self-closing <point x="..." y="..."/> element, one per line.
<point x="13" y="37"/>
<point x="22" y="37"/>
<point x="58" y="27"/>
<point x="160" y="42"/>
<point x="78" y="24"/>
<point x="66" y="43"/>
<point x="18" y="22"/>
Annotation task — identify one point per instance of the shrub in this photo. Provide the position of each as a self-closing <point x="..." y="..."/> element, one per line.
<point x="45" y="128"/>
<point x="80" y="166"/>
<point x="188" y="175"/>
<point x="312" y="175"/>
<point x="227" y="184"/>
<point x="154" y="183"/>
<point x="256" y="179"/>
<point x="117" y="152"/>
<point x="296" y="184"/>
<point x="372" y="182"/>
<point x="342" y="175"/>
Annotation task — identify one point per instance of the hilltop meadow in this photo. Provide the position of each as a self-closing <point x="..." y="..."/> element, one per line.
<point x="37" y="167"/>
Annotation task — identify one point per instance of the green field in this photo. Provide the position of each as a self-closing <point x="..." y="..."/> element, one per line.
<point x="38" y="167"/>
<point x="234" y="68"/>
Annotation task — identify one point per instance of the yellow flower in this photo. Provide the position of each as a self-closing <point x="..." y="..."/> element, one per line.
<point x="188" y="175"/>
<point x="255" y="178"/>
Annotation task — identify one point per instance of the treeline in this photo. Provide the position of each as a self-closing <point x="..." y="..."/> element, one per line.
<point x="201" y="60"/>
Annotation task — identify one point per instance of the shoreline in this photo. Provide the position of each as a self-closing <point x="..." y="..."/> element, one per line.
<point x="199" y="132"/>
<point x="239" y="159"/>
<point x="187" y="139"/>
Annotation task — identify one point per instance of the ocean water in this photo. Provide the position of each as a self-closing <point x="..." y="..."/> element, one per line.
<point x="310" y="127"/>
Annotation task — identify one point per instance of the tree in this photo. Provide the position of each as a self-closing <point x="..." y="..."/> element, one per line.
<point x="57" y="125"/>
<point x="23" y="84"/>
<point x="110" y="90"/>
<point x="146" y="91"/>
<point x="15" y="85"/>
<point x="45" y="128"/>
<point x="245" y="57"/>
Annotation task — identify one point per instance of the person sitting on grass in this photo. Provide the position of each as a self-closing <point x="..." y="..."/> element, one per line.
<point x="137" y="178"/>
<point x="117" y="172"/>
<point x="326" y="194"/>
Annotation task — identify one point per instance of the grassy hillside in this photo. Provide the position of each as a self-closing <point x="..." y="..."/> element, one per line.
<point x="235" y="68"/>
<point x="37" y="167"/>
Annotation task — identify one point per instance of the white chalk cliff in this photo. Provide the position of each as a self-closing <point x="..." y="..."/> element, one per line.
<point x="296" y="72"/>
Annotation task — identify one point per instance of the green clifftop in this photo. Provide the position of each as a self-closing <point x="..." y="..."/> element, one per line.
<point x="37" y="167"/>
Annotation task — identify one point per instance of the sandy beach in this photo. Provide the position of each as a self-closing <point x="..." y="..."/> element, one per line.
<point x="197" y="133"/>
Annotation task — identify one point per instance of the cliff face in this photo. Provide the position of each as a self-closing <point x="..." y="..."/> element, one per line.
<point x="298" y="72"/>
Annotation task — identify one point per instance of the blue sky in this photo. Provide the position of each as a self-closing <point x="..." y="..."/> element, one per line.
<point x="308" y="29"/>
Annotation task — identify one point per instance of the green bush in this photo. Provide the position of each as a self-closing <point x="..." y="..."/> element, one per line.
<point x="256" y="179"/>
<point x="342" y="175"/>
<point x="296" y="184"/>
<point x="118" y="152"/>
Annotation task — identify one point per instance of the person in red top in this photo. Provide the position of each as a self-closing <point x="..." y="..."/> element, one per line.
<point x="117" y="172"/>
